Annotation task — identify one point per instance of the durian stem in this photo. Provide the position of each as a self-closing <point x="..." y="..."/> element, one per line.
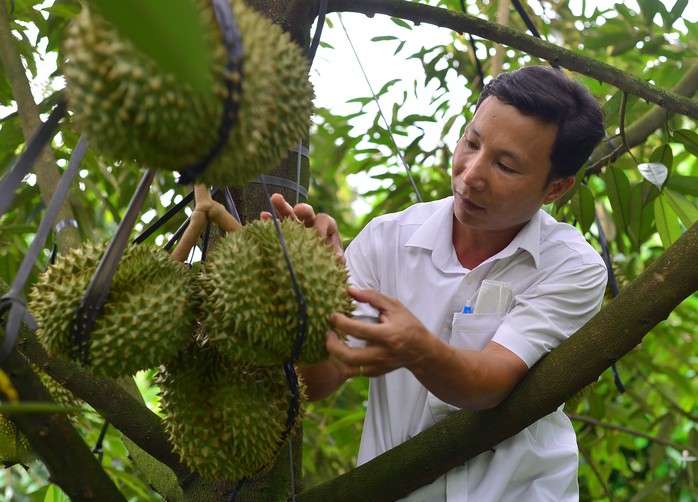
<point x="205" y="209"/>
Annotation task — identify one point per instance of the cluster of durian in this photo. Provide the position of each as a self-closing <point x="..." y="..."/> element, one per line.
<point x="132" y="111"/>
<point x="226" y="420"/>
<point x="147" y="317"/>
<point x="219" y="339"/>
<point x="248" y="295"/>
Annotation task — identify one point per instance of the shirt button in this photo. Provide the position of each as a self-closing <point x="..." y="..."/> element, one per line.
<point x="469" y="279"/>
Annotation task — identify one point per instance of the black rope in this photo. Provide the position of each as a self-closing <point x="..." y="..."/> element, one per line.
<point x="281" y="182"/>
<point x="164" y="218"/>
<point x="39" y="139"/>
<point x="232" y="39"/>
<point x="613" y="281"/>
<point x="177" y="235"/>
<point x="13" y="300"/>
<point x="98" y="287"/>
<point x="229" y="204"/>
<point x="97" y="449"/>
<point x="206" y="238"/>
<point x="531" y="27"/>
<point x="478" y="64"/>
<point x="318" y="31"/>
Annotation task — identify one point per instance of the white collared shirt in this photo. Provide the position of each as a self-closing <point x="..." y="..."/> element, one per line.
<point x="558" y="281"/>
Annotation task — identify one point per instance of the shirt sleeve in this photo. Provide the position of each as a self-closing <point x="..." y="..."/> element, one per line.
<point x="549" y="312"/>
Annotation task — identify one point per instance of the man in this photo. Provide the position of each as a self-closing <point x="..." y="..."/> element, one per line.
<point x="528" y="281"/>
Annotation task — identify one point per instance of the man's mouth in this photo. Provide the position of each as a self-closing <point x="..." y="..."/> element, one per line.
<point x="470" y="205"/>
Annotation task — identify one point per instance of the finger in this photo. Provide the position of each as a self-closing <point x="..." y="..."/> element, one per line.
<point x="350" y="361"/>
<point x="374" y="298"/>
<point x="305" y="213"/>
<point x="368" y="331"/>
<point x="283" y="209"/>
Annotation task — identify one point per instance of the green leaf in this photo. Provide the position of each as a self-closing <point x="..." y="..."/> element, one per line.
<point x="401" y="22"/>
<point x="163" y="30"/>
<point x="582" y="206"/>
<point x="618" y="191"/>
<point x="684" y="184"/>
<point x="654" y="172"/>
<point x="667" y="221"/>
<point x="641" y="218"/>
<point x="684" y="208"/>
<point x="689" y="139"/>
<point x="55" y="494"/>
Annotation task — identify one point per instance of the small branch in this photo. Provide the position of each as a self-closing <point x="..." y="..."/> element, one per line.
<point x="624" y="140"/>
<point x="633" y="432"/>
<point x="205" y="209"/>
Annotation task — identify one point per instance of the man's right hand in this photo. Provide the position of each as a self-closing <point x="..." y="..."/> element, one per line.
<point x="324" y="224"/>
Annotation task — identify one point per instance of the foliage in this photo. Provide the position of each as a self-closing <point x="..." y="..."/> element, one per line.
<point x="637" y="445"/>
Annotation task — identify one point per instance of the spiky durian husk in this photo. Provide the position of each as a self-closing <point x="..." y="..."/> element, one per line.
<point x="131" y="110"/>
<point x="14" y="446"/>
<point x="251" y="307"/>
<point x="225" y="420"/>
<point x="146" y="318"/>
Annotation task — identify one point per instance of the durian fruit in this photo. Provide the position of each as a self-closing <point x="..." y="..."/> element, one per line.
<point x="225" y="420"/>
<point x="146" y="318"/>
<point x="250" y="301"/>
<point x="133" y="111"/>
<point x="14" y="446"/>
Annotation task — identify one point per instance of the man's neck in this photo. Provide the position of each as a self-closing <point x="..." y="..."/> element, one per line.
<point x="474" y="246"/>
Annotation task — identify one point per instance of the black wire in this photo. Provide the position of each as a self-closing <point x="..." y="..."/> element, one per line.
<point x="164" y="218"/>
<point x="97" y="450"/>
<point x="318" y="31"/>
<point x="204" y="245"/>
<point x="531" y="27"/>
<point x="232" y="39"/>
<point x="478" y="64"/>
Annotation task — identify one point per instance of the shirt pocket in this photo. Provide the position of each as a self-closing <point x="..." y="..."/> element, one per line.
<point x="468" y="331"/>
<point x="473" y="331"/>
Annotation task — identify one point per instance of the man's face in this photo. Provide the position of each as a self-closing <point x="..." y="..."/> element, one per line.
<point x="500" y="167"/>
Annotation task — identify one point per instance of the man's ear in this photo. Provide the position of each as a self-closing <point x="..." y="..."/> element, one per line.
<point x="558" y="188"/>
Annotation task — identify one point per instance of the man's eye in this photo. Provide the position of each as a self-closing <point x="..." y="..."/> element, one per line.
<point x="470" y="144"/>
<point x="505" y="168"/>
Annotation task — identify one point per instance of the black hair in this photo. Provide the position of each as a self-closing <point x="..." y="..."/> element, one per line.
<point x="549" y="95"/>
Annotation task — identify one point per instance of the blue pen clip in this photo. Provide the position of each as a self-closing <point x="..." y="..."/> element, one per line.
<point x="467" y="309"/>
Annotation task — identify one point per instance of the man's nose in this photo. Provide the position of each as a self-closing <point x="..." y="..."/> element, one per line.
<point x="474" y="173"/>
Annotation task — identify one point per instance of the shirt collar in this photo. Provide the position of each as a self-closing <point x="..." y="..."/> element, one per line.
<point x="436" y="234"/>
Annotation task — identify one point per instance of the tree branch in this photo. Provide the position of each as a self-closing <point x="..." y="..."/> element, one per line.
<point x="640" y="130"/>
<point x="71" y="463"/>
<point x="420" y="13"/>
<point x="612" y="333"/>
<point x="126" y="413"/>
